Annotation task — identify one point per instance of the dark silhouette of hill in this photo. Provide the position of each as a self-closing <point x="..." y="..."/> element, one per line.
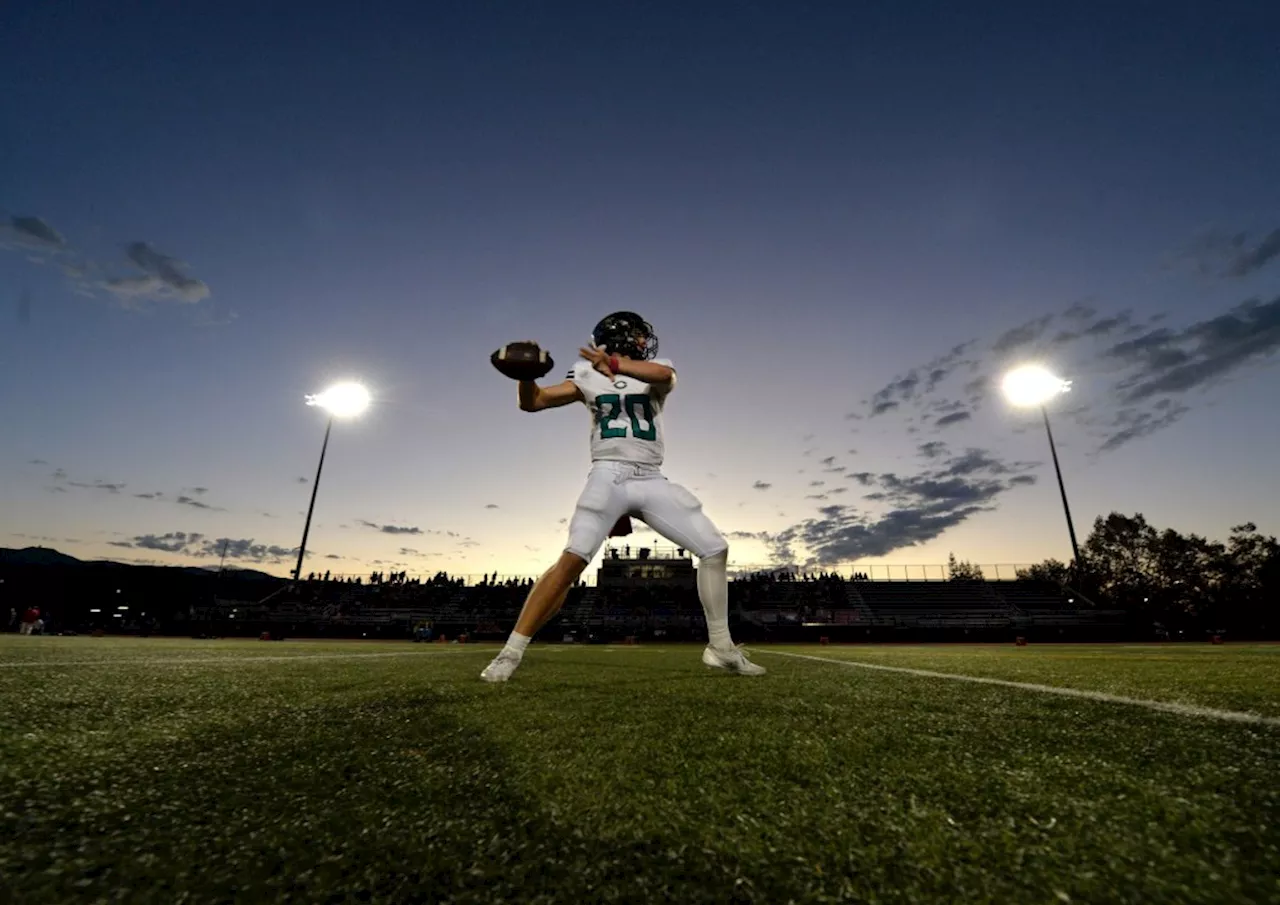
<point x="66" y="588"/>
<point x="36" y="556"/>
<point x="46" y="556"/>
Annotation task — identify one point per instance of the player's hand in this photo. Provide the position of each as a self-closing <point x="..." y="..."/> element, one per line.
<point x="599" y="358"/>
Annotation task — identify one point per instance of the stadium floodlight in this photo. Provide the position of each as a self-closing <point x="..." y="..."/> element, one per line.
<point x="342" y="400"/>
<point x="1034" y="385"/>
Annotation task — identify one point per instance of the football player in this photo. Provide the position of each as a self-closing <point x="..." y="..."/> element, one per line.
<point x="625" y="387"/>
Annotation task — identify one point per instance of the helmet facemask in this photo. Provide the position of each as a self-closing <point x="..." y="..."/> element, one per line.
<point x="628" y="334"/>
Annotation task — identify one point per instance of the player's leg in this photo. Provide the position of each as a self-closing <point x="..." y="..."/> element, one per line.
<point x="677" y="515"/>
<point x="548" y="593"/>
<point x="601" y="504"/>
<point x="545" y="599"/>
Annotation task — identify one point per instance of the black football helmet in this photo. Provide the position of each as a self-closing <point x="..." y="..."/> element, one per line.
<point x="626" y="333"/>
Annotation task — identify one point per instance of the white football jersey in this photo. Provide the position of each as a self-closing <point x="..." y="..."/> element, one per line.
<point x="626" y="415"/>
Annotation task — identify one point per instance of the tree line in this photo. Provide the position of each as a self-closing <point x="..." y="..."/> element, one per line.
<point x="1184" y="582"/>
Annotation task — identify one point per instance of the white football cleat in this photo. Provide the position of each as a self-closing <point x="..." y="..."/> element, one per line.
<point x="501" y="667"/>
<point x="733" y="659"/>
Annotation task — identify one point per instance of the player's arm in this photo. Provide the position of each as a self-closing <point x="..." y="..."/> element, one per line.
<point x="661" y="377"/>
<point x="534" y="398"/>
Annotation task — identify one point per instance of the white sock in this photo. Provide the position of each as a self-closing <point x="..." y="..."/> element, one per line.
<point x="518" y="642"/>
<point x="713" y="591"/>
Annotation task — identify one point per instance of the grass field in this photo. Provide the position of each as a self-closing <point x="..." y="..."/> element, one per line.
<point x="187" y="771"/>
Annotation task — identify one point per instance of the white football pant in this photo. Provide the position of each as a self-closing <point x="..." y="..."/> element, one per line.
<point x="615" y="489"/>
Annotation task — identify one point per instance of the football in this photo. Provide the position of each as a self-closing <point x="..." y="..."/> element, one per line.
<point x="522" y="361"/>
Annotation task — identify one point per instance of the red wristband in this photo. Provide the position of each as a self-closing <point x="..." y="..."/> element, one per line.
<point x="613" y="363"/>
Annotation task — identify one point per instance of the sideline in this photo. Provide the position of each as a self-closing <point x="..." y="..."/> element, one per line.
<point x="1194" y="710"/>
<point x="269" y="658"/>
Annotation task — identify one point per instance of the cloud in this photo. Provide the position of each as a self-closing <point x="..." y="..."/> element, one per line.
<point x="900" y="388"/>
<point x="1023" y="335"/>
<point x="491" y="506"/>
<point x="976" y="389"/>
<point x="410" y="551"/>
<point x="1131" y="424"/>
<point x="1108" y="325"/>
<point x="244" y="548"/>
<point x="145" y="274"/>
<point x="1232" y="256"/>
<point x="37" y="462"/>
<point x="30" y="233"/>
<point x="1163" y="362"/>
<point x="978" y="461"/>
<point x="390" y="529"/>
<point x="194" y="503"/>
<point x="1080" y="311"/>
<point x="302" y="480"/>
<point x="1132" y="362"/>
<point x="172" y="542"/>
<point x="865" y="478"/>
<point x="1250" y="259"/>
<point x="816" y="483"/>
<point x="922" y="507"/>
<point x="199" y="491"/>
<point x="332" y="556"/>
<point x="108" y="486"/>
<point x="918" y="381"/>
<point x="149" y="496"/>
<point x="761" y="485"/>
<point x="935" y="377"/>
<point x="159" y="278"/>
<point x="953" y="418"/>
<point x="932" y="450"/>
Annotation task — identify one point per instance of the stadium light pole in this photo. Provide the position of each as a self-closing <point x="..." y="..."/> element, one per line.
<point x="1033" y="386"/>
<point x="342" y="400"/>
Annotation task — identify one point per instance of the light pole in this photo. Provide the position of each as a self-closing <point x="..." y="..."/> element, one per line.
<point x="1033" y="386"/>
<point x="343" y="400"/>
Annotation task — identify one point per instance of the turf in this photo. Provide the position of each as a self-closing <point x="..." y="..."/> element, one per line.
<point x="185" y="771"/>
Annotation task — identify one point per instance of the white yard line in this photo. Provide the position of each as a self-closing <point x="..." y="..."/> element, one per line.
<point x="1194" y="710"/>
<point x="185" y="661"/>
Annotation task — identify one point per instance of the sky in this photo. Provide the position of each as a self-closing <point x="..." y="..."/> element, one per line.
<point x="845" y="222"/>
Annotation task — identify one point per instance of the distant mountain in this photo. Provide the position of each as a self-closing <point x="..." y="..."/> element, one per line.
<point x="44" y="556"/>
<point x="233" y="573"/>
<point x="36" y="556"/>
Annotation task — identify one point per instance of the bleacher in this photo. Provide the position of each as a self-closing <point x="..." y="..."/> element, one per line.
<point x="1036" y="596"/>
<point x="935" y="604"/>
<point x="765" y="607"/>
